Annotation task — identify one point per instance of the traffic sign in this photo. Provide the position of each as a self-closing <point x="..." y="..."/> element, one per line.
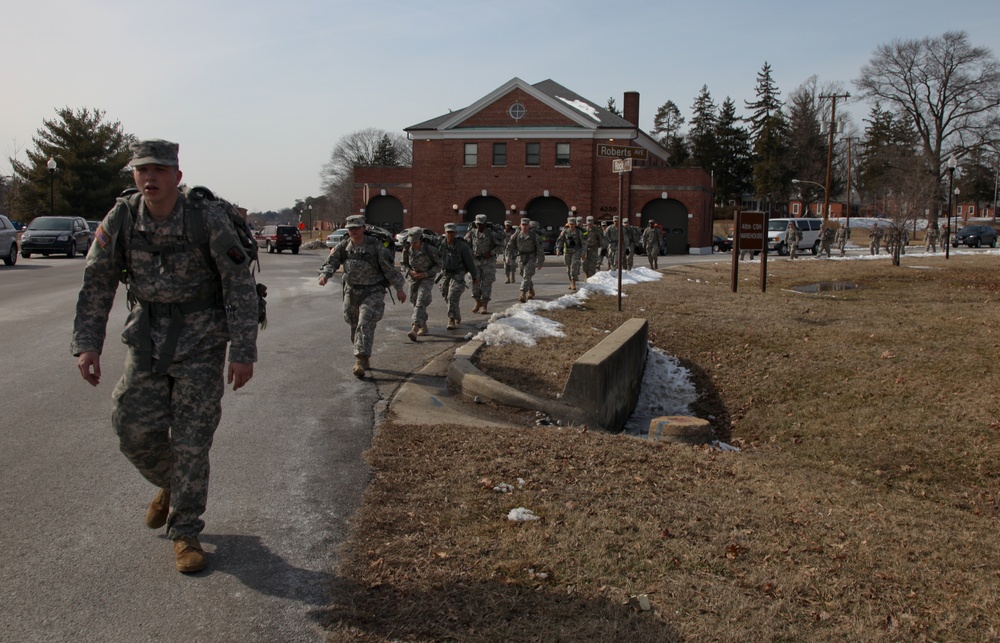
<point x="618" y="166"/>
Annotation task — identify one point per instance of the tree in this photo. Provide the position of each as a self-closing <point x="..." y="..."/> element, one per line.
<point x="889" y="147"/>
<point x="807" y="146"/>
<point x="947" y="88"/>
<point x="91" y="157"/>
<point x="667" y="129"/>
<point x="613" y="107"/>
<point x="734" y="173"/>
<point x="702" y="137"/>
<point x="370" y="147"/>
<point x="771" y="174"/>
<point x="766" y="105"/>
<point x="978" y="180"/>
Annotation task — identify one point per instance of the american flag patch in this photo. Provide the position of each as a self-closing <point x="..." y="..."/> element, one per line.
<point x="101" y="236"/>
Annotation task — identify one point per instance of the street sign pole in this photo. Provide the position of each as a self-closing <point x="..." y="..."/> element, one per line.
<point x="620" y="166"/>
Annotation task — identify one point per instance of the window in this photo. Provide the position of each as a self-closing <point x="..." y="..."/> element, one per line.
<point x="959" y="212"/>
<point x="532" y="153"/>
<point x="972" y="210"/>
<point x="472" y="154"/>
<point x="499" y="154"/>
<point x="562" y="154"/>
<point x="795" y="208"/>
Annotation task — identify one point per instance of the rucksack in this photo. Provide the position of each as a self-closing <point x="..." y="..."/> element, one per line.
<point x="199" y="199"/>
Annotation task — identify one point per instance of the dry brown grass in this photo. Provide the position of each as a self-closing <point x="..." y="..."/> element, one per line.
<point x="863" y="506"/>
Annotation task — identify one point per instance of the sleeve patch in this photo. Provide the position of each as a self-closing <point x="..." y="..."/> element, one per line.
<point x="101" y="237"/>
<point x="236" y="254"/>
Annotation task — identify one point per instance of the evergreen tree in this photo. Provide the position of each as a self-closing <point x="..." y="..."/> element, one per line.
<point x="766" y="105"/>
<point x="613" y="107"/>
<point x="771" y="174"/>
<point x="91" y="157"/>
<point x="385" y="154"/>
<point x="807" y="146"/>
<point x="734" y="173"/>
<point x="702" y="137"/>
<point x="890" y="146"/>
<point x="667" y="129"/>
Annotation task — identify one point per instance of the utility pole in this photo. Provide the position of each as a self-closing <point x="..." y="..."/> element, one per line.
<point x="850" y="139"/>
<point x="829" y="151"/>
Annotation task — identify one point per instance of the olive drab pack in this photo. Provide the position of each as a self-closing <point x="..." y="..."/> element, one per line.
<point x="197" y="200"/>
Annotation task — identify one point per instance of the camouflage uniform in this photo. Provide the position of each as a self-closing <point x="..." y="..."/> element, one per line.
<point x="875" y="239"/>
<point x="904" y="240"/>
<point x="652" y="239"/>
<point x="570" y="245"/>
<point x="792" y="239"/>
<point x="825" y="239"/>
<point x="527" y="246"/>
<point x="190" y="300"/>
<point x="456" y="260"/>
<point x="509" y="258"/>
<point x="486" y="244"/>
<point x="425" y="261"/>
<point x="631" y="238"/>
<point x="593" y="243"/>
<point x="840" y="239"/>
<point x="611" y="239"/>
<point x="368" y="269"/>
<point x="931" y="236"/>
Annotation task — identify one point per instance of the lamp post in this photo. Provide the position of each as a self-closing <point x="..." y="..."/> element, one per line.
<point x="454" y="212"/>
<point x="310" y="220"/>
<point x="52" y="185"/>
<point x="820" y="185"/>
<point x="952" y="164"/>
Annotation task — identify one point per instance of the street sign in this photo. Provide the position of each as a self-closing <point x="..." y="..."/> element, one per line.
<point x="619" y="166"/>
<point x="752" y="231"/>
<point x="622" y="152"/>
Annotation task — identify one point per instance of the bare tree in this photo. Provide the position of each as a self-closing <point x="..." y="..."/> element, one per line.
<point x="947" y="87"/>
<point x="363" y="148"/>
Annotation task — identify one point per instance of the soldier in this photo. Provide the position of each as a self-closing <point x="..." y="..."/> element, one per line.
<point x="527" y="246"/>
<point x="931" y="238"/>
<point x="611" y="240"/>
<point x="652" y="239"/>
<point x="632" y="237"/>
<point x="570" y="245"/>
<point x="368" y="270"/>
<point x="456" y="261"/>
<point x="840" y="239"/>
<point x="792" y="239"/>
<point x="875" y="239"/>
<point x="486" y="244"/>
<point x="890" y="237"/>
<point x="593" y="243"/>
<point x="190" y="296"/>
<point x="825" y="239"/>
<point x="421" y="263"/>
<point x="904" y="240"/>
<point x="509" y="259"/>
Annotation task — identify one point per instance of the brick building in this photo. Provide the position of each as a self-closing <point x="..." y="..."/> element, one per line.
<point x="543" y="152"/>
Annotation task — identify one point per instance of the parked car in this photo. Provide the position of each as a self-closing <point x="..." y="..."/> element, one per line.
<point x="722" y="244"/>
<point x="777" y="229"/>
<point x="335" y="237"/>
<point x="279" y="237"/>
<point x="93" y="228"/>
<point x="8" y="241"/>
<point x="55" y="235"/>
<point x="382" y="234"/>
<point x="401" y="235"/>
<point x="975" y="236"/>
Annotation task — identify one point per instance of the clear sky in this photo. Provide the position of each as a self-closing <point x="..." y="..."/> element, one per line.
<point x="258" y="93"/>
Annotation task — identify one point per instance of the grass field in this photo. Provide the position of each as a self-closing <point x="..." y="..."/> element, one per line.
<point x="863" y="504"/>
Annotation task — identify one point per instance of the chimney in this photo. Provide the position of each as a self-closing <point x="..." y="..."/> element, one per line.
<point x="630" y="108"/>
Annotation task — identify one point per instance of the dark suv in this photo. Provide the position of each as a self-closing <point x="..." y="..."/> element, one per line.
<point x="975" y="236"/>
<point x="55" y="235"/>
<point x="279" y="237"/>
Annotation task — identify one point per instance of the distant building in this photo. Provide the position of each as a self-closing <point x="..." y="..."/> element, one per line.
<point x="543" y="152"/>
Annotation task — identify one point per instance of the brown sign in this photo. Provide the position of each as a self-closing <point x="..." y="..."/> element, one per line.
<point x="752" y="231"/>
<point x="622" y="152"/>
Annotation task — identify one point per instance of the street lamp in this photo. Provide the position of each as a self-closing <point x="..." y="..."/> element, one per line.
<point x="310" y="220"/>
<point x="952" y="164"/>
<point x="454" y="212"/>
<point x="52" y="185"/>
<point x="819" y="185"/>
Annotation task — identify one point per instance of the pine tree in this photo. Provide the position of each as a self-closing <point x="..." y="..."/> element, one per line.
<point x="613" y="107"/>
<point x="702" y="137"/>
<point x="771" y="174"/>
<point x="734" y="173"/>
<point x="91" y="156"/>
<point x="667" y="129"/>
<point x="807" y="146"/>
<point x="767" y="103"/>
<point x="385" y="153"/>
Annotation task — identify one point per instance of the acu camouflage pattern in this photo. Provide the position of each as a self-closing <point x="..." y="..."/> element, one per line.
<point x="457" y="260"/>
<point x="527" y="248"/>
<point x="509" y="257"/>
<point x="427" y="259"/>
<point x="166" y="421"/>
<point x="593" y="240"/>
<point x="652" y="241"/>
<point x="570" y="244"/>
<point x="367" y="270"/>
<point x="840" y="239"/>
<point x="486" y="245"/>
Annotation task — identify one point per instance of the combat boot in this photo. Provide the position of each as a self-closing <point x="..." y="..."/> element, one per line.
<point x="413" y="333"/>
<point x="531" y="293"/>
<point x="523" y="298"/>
<point x="451" y="324"/>
<point x="360" y="364"/>
<point x="482" y="306"/>
<point x="156" y="515"/>
<point x="189" y="554"/>
<point x="572" y="284"/>
<point x="479" y="303"/>
<point x="422" y="330"/>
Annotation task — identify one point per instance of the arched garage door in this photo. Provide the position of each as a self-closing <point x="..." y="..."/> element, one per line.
<point x="385" y="211"/>
<point x="550" y="213"/>
<point x="672" y="215"/>
<point x="491" y="206"/>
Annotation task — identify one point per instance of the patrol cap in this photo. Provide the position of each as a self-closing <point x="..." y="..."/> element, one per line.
<point x="571" y="221"/>
<point x="154" y="151"/>
<point x="414" y="234"/>
<point x="590" y="219"/>
<point x="355" y="221"/>
<point x="615" y="219"/>
<point x="450" y="227"/>
<point x="480" y="218"/>
<point x="579" y="220"/>
<point x="651" y="222"/>
<point x="525" y="221"/>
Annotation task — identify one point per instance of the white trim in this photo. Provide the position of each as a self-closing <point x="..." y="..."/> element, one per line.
<point x="526" y="134"/>
<point x="575" y="115"/>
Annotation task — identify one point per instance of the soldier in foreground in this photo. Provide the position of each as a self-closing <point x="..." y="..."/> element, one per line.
<point x="188" y="279"/>
<point x="527" y="247"/>
<point x="840" y="239"/>
<point x="456" y="261"/>
<point x="421" y="263"/>
<point x="652" y="239"/>
<point x="486" y="244"/>
<point x="368" y="271"/>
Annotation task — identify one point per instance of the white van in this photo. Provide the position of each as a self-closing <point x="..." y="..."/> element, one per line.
<point x="777" y="230"/>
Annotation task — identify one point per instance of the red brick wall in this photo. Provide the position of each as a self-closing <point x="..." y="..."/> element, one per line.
<point x="537" y="114"/>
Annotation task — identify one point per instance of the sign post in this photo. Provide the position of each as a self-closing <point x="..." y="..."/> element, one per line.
<point x="620" y="167"/>
<point x="750" y="235"/>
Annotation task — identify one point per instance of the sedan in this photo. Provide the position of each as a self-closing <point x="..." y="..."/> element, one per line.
<point x="722" y="244"/>
<point x="975" y="236"/>
<point x="336" y="237"/>
<point x="55" y="235"/>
